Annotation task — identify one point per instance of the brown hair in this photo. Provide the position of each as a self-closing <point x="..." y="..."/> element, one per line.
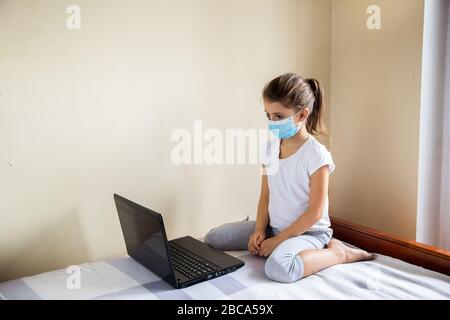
<point x="297" y="93"/>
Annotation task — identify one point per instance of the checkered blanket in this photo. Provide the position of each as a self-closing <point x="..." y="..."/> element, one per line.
<point x="124" y="278"/>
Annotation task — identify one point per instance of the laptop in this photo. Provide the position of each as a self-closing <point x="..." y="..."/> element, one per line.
<point x="181" y="262"/>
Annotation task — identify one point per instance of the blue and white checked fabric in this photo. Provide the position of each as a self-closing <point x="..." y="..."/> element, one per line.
<point x="124" y="278"/>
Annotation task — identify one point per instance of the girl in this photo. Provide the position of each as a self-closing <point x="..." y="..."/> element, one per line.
<point x="292" y="226"/>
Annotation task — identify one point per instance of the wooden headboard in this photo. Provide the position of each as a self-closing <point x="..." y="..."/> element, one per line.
<point x="372" y="240"/>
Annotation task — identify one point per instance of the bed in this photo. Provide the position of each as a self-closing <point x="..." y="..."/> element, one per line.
<point x="401" y="270"/>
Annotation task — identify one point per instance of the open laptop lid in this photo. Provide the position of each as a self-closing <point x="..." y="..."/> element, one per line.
<point x="145" y="237"/>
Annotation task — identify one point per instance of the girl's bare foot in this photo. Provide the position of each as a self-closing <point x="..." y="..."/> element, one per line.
<point x="347" y="254"/>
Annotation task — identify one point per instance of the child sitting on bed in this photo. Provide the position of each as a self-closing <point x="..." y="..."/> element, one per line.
<point x="292" y="226"/>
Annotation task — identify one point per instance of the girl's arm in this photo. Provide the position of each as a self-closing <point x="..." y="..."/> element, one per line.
<point x="262" y="217"/>
<point x="317" y="199"/>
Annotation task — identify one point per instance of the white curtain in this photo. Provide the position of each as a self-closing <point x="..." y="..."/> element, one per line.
<point x="433" y="206"/>
<point x="444" y="232"/>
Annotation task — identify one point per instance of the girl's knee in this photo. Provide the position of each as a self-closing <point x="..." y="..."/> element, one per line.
<point x="213" y="239"/>
<point x="230" y="236"/>
<point x="285" y="268"/>
<point x="219" y="238"/>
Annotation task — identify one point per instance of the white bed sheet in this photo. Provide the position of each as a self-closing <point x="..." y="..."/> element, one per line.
<point x="124" y="278"/>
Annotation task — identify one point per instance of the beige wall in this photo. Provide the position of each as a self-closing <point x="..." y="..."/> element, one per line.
<point x="84" y="114"/>
<point x="375" y="78"/>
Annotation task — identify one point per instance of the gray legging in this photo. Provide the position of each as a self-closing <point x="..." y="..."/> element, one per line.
<point x="283" y="264"/>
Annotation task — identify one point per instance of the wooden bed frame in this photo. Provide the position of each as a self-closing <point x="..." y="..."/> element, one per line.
<point x="372" y="240"/>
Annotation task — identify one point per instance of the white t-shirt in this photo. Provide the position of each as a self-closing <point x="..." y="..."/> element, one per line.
<point x="289" y="184"/>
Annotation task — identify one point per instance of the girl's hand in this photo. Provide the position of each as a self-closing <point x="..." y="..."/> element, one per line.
<point x="268" y="245"/>
<point x="255" y="240"/>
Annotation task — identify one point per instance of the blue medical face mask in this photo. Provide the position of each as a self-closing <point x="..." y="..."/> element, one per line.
<point x="284" y="129"/>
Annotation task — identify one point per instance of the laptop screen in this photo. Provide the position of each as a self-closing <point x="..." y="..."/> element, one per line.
<point x="145" y="237"/>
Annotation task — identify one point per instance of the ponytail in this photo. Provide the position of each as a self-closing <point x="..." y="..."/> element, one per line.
<point x="314" y="121"/>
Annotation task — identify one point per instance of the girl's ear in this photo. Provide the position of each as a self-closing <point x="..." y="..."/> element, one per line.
<point x="303" y="115"/>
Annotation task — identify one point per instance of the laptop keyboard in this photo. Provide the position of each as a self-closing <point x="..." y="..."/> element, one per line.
<point x="188" y="265"/>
